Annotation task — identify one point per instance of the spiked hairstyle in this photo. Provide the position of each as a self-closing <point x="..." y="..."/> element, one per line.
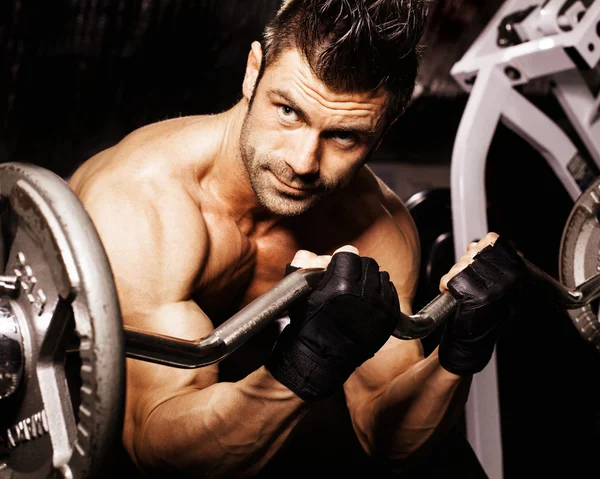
<point x="353" y="45"/>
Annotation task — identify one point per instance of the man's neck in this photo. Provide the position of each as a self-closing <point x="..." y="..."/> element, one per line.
<point x="229" y="180"/>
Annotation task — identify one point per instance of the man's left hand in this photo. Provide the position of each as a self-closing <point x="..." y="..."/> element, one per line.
<point x="486" y="281"/>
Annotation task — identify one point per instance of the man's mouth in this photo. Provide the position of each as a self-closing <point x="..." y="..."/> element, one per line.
<point x="292" y="189"/>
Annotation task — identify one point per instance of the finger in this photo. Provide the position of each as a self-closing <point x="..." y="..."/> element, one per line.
<point x="321" y="261"/>
<point x="476" y="246"/>
<point x="472" y="246"/>
<point x="303" y="259"/>
<point x="347" y="265"/>
<point x="472" y="250"/>
<point x="457" y="268"/>
<point x="488" y="240"/>
<point x="348" y="248"/>
<point x="471" y="253"/>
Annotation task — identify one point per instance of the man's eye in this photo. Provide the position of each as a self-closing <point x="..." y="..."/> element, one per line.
<point x="287" y="112"/>
<point x="345" y="137"/>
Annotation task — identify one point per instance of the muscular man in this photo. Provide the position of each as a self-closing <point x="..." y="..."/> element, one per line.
<point x="200" y="215"/>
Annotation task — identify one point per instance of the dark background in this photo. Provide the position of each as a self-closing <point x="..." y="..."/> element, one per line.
<point x="78" y="75"/>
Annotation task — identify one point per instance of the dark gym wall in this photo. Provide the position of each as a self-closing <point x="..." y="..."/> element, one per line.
<point x="78" y="75"/>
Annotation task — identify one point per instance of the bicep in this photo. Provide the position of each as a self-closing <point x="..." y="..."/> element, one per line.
<point x="156" y="255"/>
<point x="148" y="384"/>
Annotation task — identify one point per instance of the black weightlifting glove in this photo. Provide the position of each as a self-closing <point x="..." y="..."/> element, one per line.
<point x="343" y="322"/>
<point x="486" y="292"/>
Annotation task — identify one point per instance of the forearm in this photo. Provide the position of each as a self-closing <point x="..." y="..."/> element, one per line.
<point x="226" y="430"/>
<point x="404" y="418"/>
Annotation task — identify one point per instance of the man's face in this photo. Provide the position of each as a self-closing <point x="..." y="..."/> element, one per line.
<point x="300" y="140"/>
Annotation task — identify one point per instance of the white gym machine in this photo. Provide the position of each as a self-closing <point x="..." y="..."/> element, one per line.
<point x="553" y="40"/>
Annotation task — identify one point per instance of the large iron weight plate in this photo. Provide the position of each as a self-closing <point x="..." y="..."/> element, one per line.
<point x="67" y="412"/>
<point x="580" y="257"/>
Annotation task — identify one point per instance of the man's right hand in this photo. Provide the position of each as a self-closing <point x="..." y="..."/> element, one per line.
<point x="342" y="323"/>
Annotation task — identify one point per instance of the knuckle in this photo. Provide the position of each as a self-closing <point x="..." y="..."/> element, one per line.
<point x="467" y="257"/>
<point x="347" y="248"/>
<point x="302" y="257"/>
<point x="491" y="237"/>
<point x="464" y="262"/>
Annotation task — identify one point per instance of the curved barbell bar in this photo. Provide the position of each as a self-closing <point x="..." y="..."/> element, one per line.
<point x="234" y="332"/>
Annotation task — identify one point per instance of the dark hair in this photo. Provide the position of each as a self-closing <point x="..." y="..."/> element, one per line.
<point x="353" y="45"/>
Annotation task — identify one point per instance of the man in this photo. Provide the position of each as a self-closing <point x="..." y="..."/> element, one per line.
<point x="200" y="215"/>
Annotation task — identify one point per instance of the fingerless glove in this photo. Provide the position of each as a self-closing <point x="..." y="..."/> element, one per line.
<point x="342" y="323"/>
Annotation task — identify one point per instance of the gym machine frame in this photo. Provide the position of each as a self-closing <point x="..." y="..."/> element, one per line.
<point x="525" y="40"/>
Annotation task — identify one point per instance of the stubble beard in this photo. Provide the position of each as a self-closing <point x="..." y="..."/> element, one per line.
<point x="259" y="171"/>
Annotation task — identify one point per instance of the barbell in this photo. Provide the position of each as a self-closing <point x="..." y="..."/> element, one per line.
<point x="63" y="345"/>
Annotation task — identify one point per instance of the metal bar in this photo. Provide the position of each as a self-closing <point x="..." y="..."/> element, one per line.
<point x="228" y="336"/>
<point x="234" y="332"/>
<point x="428" y="319"/>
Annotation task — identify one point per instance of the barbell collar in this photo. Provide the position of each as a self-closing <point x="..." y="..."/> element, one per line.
<point x="11" y="350"/>
<point x="9" y="286"/>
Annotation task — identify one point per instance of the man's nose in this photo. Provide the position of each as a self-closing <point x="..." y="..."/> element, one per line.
<point x="305" y="159"/>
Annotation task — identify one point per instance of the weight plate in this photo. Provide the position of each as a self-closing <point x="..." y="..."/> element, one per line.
<point x="579" y="257"/>
<point x="67" y="412"/>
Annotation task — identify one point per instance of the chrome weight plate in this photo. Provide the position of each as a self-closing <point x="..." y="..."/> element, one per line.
<point x="65" y="414"/>
<point x="579" y="257"/>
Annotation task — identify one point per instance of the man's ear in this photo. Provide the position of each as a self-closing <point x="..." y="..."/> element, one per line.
<point x="252" y="70"/>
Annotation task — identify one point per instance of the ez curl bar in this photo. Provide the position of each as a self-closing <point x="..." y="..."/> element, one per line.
<point x="239" y="328"/>
<point x="58" y="290"/>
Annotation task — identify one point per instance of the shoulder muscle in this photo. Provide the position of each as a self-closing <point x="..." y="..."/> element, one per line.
<point x="154" y="236"/>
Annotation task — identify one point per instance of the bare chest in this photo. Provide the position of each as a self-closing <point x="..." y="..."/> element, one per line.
<point x="255" y="268"/>
<point x="242" y="274"/>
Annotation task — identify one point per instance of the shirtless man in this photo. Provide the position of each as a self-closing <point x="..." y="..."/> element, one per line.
<point x="200" y="215"/>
